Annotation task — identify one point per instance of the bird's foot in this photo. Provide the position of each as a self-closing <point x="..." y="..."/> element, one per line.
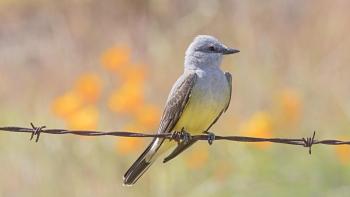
<point x="186" y="136"/>
<point x="181" y="136"/>
<point x="211" y="137"/>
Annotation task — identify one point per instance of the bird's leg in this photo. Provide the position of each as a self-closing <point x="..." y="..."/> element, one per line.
<point x="176" y="136"/>
<point x="182" y="135"/>
<point x="211" y="137"/>
<point x="185" y="136"/>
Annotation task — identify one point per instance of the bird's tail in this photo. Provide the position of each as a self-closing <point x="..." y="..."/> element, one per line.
<point x="142" y="163"/>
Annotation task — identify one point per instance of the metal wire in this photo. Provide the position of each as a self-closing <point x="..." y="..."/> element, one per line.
<point x="305" y="142"/>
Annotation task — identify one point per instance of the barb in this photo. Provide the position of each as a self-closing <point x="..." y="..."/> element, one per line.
<point x="307" y="142"/>
<point x="36" y="131"/>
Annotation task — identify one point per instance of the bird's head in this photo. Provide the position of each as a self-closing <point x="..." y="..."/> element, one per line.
<point x="206" y="51"/>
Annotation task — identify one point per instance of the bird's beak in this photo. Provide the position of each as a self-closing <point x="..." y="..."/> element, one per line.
<point x="228" y="50"/>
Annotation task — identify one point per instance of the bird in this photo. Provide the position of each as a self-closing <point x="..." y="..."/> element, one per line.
<point x="196" y="101"/>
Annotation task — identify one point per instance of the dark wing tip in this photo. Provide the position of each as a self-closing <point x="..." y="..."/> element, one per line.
<point x="135" y="172"/>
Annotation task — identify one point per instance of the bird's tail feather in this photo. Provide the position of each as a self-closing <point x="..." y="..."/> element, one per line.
<point x="139" y="167"/>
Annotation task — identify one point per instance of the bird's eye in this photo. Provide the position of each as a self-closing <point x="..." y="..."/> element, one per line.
<point x="211" y="48"/>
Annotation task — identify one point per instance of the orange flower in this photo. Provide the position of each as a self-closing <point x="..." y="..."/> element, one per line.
<point x="89" y="87"/>
<point x="84" y="119"/>
<point x="135" y="73"/>
<point x="259" y="125"/>
<point x="67" y="104"/>
<point x="127" y="99"/>
<point x="148" y="116"/>
<point x="290" y="104"/>
<point x="116" y="58"/>
<point x="197" y="158"/>
<point x="343" y="153"/>
<point x="126" y="146"/>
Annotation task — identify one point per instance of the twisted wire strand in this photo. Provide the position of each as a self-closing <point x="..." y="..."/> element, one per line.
<point x="307" y="142"/>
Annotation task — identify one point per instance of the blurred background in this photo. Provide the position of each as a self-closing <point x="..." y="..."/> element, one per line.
<point x="109" y="65"/>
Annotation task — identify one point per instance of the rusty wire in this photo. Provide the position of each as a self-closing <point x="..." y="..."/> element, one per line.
<point x="305" y="142"/>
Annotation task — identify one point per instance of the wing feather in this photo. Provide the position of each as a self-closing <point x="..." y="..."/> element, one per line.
<point x="176" y="103"/>
<point x="229" y="80"/>
<point x="184" y="145"/>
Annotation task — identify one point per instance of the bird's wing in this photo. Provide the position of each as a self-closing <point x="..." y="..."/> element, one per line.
<point x="177" y="102"/>
<point x="229" y="80"/>
<point x="184" y="145"/>
<point x="179" y="149"/>
<point x="175" y="105"/>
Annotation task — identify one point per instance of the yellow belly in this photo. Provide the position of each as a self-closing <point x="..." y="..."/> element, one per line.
<point x="203" y="108"/>
<point x="208" y="98"/>
<point x="205" y="105"/>
<point x="198" y="116"/>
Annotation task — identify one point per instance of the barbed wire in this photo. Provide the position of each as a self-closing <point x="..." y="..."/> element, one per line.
<point x="307" y="142"/>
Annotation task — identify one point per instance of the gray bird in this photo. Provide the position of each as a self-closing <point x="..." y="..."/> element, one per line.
<point x="196" y="101"/>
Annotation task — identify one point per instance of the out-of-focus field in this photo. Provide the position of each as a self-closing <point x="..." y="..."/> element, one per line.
<point x="109" y="65"/>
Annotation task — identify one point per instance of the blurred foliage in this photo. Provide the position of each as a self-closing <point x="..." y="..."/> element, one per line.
<point x="109" y="65"/>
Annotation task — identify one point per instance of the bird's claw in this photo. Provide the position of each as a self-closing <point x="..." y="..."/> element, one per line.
<point x="181" y="136"/>
<point x="211" y="137"/>
<point x="186" y="137"/>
